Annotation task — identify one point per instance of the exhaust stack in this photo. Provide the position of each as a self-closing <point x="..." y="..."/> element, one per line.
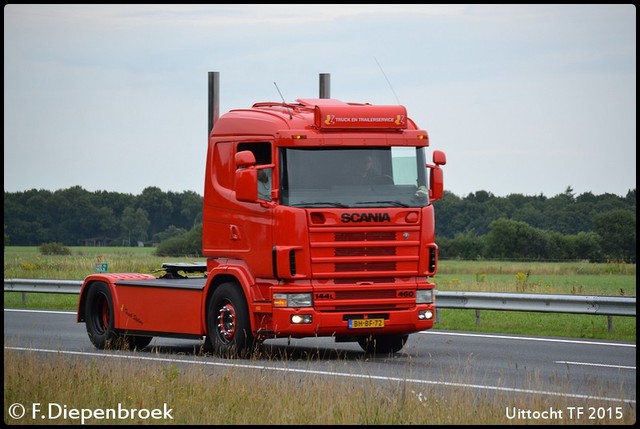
<point x="325" y="83"/>
<point x="214" y="99"/>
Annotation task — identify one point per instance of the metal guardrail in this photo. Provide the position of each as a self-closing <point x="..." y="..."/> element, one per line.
<point x="576" y="304"/>
<point x="42" y="286"/>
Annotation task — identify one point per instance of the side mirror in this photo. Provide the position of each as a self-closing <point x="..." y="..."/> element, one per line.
<point x="436" y="176"/>
<point x="245" y="158"/>
<point x="439" y="158"/>
<point x="436" y="184"/>
<point x="246" y="183"/>
<point x="246" y="179"/>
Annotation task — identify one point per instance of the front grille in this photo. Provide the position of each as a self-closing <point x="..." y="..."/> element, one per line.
<point x="350" y="253"/>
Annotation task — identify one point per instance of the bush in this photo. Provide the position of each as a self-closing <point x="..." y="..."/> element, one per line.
<point x="188" y="244"/>
<point x="54" y="249"/>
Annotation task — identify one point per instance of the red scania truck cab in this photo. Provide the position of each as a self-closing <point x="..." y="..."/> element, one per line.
<point x="317" y="222"/>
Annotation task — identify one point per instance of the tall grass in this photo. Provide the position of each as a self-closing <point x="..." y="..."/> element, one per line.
<point x="28" y="263"/>
<point x="455" y="266"/>
<point x="204" y="394"/>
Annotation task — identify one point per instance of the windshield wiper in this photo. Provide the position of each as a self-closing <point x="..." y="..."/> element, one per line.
<point x="390" y="202"/>
<point x="319" y="204"/>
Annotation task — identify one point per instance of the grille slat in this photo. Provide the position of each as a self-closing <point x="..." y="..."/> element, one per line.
<point x="364" y="266"/>
<point x="365" y="236"/>
<point x="365" y="251"/>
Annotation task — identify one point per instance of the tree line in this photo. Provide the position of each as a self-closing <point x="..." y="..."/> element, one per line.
<point x="75" y="216"/>
<point x="479" y="225"/>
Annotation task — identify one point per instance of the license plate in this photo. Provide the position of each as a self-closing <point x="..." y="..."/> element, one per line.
<point x="366" y="323"/>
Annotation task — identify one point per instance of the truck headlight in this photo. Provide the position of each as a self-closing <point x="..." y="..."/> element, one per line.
<point x="424" y="296"/>
<point x="292" y="300"/>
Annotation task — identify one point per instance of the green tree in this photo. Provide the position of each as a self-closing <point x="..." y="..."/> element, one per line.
<point x="135" y="224"/>
<point x="617" y="228"/>
<point x="187" y="209"/>
<point x="465" y="245"/>
<point x="587" y="246"/>
<point x="158" y="208"/>
<point x="168" y="233"/>
<point x="187" y="244"/>
<point x="508" y="239"/>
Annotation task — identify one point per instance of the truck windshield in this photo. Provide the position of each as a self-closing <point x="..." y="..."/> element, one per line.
<point x="354" y="177"/>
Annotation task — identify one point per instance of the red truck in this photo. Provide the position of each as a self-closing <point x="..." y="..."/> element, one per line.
<point x="317" y="222"/>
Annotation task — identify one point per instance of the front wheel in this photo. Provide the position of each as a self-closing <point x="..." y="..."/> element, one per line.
<point x="382" y="344"/>
<point x="228" y="326"/>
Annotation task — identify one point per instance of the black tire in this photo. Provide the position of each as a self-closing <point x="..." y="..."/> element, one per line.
<point x="228" y="326"/>
<point x="98" y="312"/>
<point x="382" y="344"/>
<point x="99" y="322"/>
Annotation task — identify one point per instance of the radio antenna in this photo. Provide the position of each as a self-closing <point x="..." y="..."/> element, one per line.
<point x="385" y="76"/>
<point x="283" y="101"/>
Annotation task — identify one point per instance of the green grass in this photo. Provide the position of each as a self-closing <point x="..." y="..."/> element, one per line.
<point x="454" y="266"/>
<point x="623" y="328"/>
<point x="574" y="284"/>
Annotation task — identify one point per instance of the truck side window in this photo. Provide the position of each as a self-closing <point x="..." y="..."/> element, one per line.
<point x="264" y="184"/>
<point x="262" y="152"/>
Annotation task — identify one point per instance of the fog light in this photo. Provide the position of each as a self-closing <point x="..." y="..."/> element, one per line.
<point x="301" y="319"/>
<point x="425" y="315"/>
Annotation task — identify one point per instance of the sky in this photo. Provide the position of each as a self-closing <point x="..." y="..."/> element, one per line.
<point x="523" y="99"/>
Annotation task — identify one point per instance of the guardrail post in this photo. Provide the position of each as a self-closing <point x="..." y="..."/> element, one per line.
<point x="610" y="323"/>
<point x="24" y="298"/>
<point x="477" y="317"/>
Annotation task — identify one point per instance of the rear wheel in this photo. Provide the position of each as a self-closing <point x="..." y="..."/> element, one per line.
<point x="99" y="315"/>
<point x="382" y="344"/>
<point x="228" y="326"/>
<point x="100" y="322"/>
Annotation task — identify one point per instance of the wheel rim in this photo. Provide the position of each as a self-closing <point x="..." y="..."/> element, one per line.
<point x="104" y="312"/>
<point x="101" y="317"/>
<point x="227" y="322"/>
